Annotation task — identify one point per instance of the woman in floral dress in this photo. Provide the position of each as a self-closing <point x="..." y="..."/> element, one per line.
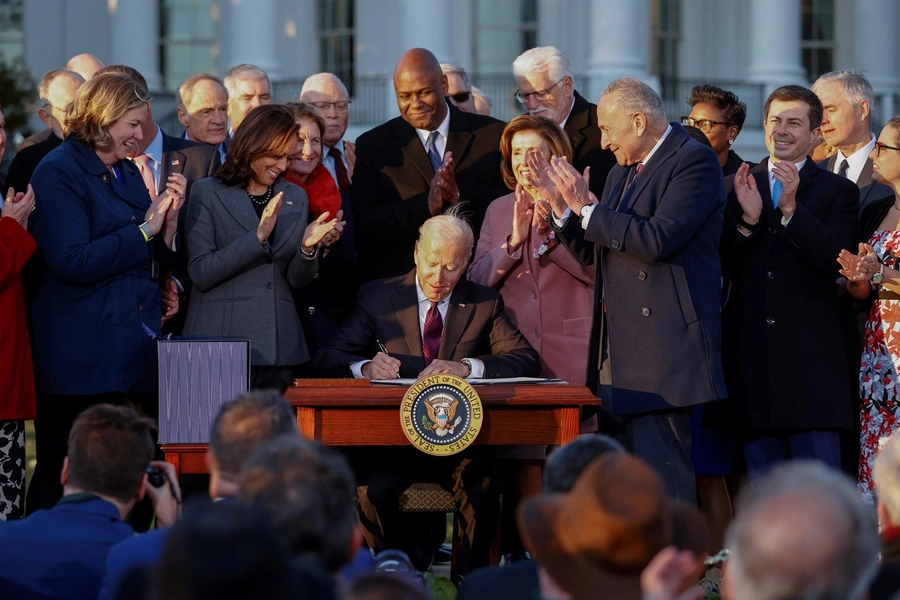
<point x="872" y="276"/>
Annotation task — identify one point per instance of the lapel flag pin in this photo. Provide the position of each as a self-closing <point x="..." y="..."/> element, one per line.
<point x="461" y="305"/>
<point x="175" y="162"/>
<point x="290" y="203"/>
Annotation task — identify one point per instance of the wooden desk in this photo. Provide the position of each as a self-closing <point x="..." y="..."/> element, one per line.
<point x="346" y="412"/>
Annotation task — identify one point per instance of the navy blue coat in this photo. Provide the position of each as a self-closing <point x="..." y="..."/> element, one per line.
<point x="784" y="351"/>
<point x="658" y="274"/>
<point x="61" y="552"/>
<point x="98" y="303"/>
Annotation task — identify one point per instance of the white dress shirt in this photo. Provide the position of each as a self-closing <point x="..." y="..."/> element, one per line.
<point x="424" y="306"/>
<point x="440" y="144"/>
<point x="855" y="162"/>
<point x="154" y="152"/>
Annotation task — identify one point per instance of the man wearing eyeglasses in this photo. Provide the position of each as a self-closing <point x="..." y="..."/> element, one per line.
<point x="547" y="89"/>
<point x="459" y="92"/>
<point x="847" y="98"/>
<point x="415" y="166"/>
<point x="328" y="95"/>
<point x="57" y="91"/>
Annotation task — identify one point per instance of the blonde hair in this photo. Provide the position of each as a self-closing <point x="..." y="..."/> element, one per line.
<point x="101" y="102"/>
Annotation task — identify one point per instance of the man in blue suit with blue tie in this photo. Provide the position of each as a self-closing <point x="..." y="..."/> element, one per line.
<point x="61" y="552"/>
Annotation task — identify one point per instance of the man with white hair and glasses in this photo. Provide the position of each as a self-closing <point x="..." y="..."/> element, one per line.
<point x="547" y="89"/>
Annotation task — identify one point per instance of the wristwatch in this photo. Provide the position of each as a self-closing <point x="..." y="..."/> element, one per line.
<point x="145" y="229"/>
<point x="584" y="212"/>
<point x="879" y="276"/>
<point x="468" y="363"/>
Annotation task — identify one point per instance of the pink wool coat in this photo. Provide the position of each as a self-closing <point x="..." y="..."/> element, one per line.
<point x="550" y="299"/>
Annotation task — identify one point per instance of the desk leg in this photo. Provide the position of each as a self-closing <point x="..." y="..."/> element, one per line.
<point x="306" y="422"/>
<point x="174" y="459"/>
<point x="569" y="418"/>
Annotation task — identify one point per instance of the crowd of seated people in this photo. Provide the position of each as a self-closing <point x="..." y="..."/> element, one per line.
<point x="736" y="320"/>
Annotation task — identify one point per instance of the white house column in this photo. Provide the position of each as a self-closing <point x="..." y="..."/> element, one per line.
<point x="135" y="38"/>
<point x="619" y="43"/>
<point x="429" y="25"/>
<point x="255" y="28"/>
<point x="775" y="57"/>
<point x="875" y="24"/>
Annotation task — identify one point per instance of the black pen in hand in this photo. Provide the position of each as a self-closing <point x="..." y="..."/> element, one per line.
<point x="386" y="353"/>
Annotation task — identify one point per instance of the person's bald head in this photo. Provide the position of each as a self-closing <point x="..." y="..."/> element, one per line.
<point x="85" y="65"/>
<point x="328" y="95"/>
<point x="57" y="92"/>
<point x="421" y="89"/>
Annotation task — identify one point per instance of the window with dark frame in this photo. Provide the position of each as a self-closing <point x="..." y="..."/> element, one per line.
<point x="336" y="33"/>
<point x="817" y="39"/>
<point x="665" y="37"/>
<point x="187" y="40"/>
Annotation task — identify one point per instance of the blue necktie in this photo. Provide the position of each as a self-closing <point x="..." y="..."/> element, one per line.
<point x="776" y="192"/>
<point x="431" y="147"/>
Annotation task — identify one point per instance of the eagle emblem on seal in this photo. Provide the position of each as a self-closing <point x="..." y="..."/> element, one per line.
<point x="441" y="412"/>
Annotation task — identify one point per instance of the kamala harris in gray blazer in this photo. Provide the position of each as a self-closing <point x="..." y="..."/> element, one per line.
<point x="242" y="287"/>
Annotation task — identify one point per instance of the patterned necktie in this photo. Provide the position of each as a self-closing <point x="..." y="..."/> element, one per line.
<point x="776" y="192"/>
<point x="431" y="147"/>
<point x="143" y="163"/>
<point x="340" y="170"/>
<point x="431" y="334"/>
<point x="637" y="172"/>
<point x="843" y="170"/>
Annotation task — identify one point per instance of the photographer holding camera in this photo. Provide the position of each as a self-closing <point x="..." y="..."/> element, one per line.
<point x="61" y="552"/>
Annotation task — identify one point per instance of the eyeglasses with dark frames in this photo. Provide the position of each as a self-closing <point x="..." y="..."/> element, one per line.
<point x="880" y="148"/>
<point x="460" y="97"/>
<point x="704" y="125"/>
<point x="539" y="95"/>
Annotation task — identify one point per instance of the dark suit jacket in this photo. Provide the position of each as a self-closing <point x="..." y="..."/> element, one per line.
<point x="585" y="136"/>
<point x="392" y="178"/>
<point x="785" y="358"/>
<point x="26" y="161"/>
<point x="869" y="189"/>
<point x="513" y="580"/>
<point x="387" y="310"/>
<point x="242" y="288"/>
<point x="658" y="278"/>
<point x="195" y="161"/>
<point x="61" y="552"/>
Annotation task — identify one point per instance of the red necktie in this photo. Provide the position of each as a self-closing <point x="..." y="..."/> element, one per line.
<point x="431" y="334"/>
<point x="143" y="163"/>
<point x="637" y="172"/>
<point x="340" y="170"/>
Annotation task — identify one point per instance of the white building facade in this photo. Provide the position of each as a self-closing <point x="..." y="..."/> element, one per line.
<point x="748" y="46"/>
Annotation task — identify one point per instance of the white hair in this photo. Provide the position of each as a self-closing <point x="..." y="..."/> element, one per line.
<point x="453" y="68"/>
<point x="543" y="59"/>
<point x="320" y="80"/>
<point x="244" y="72"/>
<point x="635" y="96"/>
<point x="451" y="228"/>
<point x="887" y="477"/>
<point x="792" y="492"/>
<point x="855" y="86"/>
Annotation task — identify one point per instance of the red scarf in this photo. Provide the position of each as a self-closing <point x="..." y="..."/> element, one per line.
<point x="322" y="191"/>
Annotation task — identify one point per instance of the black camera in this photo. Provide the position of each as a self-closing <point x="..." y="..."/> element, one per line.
<point x="156" y="477"/>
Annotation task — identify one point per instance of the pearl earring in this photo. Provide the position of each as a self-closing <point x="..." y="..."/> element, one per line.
<point x="730" y="142"/>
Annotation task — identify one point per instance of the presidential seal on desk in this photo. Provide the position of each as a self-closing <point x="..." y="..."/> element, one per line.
<point x="441" y="414"/>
